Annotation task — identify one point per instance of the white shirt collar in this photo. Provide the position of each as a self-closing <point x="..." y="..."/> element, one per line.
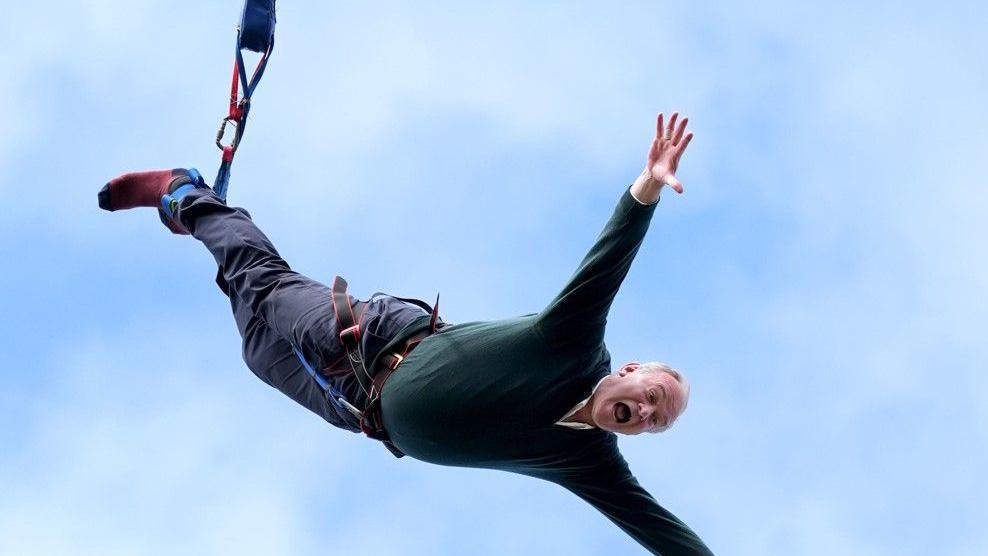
<point x="574" y="424"/>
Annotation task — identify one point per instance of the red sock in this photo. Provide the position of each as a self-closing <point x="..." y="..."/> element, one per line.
<point x="137" y="189"/>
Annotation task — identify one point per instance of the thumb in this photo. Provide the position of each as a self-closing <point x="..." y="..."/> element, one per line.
<point x="674" y="183"/>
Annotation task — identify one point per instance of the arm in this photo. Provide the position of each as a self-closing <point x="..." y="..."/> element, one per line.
<point x="579" y="312"/>
<point x="616" y="493"/>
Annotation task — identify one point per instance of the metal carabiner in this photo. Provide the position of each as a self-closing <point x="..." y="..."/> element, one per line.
<point x="222" y="131"/>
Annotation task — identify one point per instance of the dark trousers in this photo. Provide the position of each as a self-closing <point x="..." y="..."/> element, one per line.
<point x="278" y="309"/>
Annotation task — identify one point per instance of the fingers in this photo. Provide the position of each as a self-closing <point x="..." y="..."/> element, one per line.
<point x="653" y="151"/>
<point x="674" y="183"/>
<point x="679" y="132"/>
<point x="670" y="132"/>
<point x="680" y="149"/>
<point x="686" y="141"/>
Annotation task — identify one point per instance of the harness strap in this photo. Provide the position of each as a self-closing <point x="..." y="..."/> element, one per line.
<point x="256" y="33"/>
<point x="349" y="327"/>
<point x="336" y="398"/>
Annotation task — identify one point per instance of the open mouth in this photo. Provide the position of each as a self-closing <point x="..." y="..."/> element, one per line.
<point x="622" y="413"/>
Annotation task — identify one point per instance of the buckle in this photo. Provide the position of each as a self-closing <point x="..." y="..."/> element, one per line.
<point x="397" y="361"/>
<point x="354" y="330"/>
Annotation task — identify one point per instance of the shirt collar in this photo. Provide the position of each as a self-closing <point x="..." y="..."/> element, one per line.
<point x="577" y="425"/>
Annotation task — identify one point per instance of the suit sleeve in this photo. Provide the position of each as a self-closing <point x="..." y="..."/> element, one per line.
<point x="613" y="490"/>
<point x="579" y="312"/>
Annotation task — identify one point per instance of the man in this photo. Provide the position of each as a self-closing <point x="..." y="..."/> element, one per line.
<point x="530" y="395"/>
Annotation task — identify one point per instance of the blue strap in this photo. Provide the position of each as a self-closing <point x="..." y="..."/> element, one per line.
<point x="169" y="201"/>
<point x="256" y="33"/>
<point x="333" y="394"/>
<point x="320" y="380"/>
<point x="257" y="25"/>
<point x="222" y="180"/>
<point x="251" y="84"/>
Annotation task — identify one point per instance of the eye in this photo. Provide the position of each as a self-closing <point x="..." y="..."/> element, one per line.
<point x="651" y="396"/>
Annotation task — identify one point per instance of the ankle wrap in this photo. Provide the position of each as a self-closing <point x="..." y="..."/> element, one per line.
<point x="179" y="188"/>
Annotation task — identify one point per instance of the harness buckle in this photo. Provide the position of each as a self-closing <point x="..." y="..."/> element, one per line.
<point x="398" y="359"/>
<point x="353" y="331"/>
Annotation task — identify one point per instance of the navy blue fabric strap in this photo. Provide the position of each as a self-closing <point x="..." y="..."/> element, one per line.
<point x="169" y="202"/>
<point x="257" y="25"/>
<point x="249" y="85"/>
<point x="343" y="408"/>
<point x="222" y="181"/>
<point x="320" y="380"/>
<point x="256" y="33"/>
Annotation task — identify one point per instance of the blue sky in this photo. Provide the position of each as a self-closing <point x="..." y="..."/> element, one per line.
<point x="822" y="281"/>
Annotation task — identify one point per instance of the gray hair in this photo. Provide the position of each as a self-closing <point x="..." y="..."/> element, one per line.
<point x="657" y="367"/>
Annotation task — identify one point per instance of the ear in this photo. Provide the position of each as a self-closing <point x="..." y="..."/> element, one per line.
<point x="628" y="367"/>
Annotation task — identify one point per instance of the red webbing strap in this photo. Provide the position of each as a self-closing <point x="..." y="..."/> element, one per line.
<point x="349" y="334"/>
<point x="237" y="114"/>
<point x="234" y="91"/>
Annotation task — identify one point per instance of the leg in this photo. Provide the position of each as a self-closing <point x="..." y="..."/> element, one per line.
<point x="272" y="359"/>
<point x="292" y="307"/>
<point x="276" y="309"/>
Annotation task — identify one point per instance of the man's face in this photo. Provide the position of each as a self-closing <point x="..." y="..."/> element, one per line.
<point x="630" y="402"/>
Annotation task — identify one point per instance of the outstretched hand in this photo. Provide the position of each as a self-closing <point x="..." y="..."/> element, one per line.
<point x="667" y="148"/>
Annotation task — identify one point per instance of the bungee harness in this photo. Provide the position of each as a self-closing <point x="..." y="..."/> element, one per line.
<point x="370" y="377"/>
<point x="255" y="33"/>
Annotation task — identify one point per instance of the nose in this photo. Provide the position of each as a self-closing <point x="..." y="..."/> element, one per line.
<point x="644" y="411"/>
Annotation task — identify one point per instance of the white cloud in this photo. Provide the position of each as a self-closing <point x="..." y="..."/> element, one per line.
<point x="142" y="445"/>
<point x="823" y="272"/>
